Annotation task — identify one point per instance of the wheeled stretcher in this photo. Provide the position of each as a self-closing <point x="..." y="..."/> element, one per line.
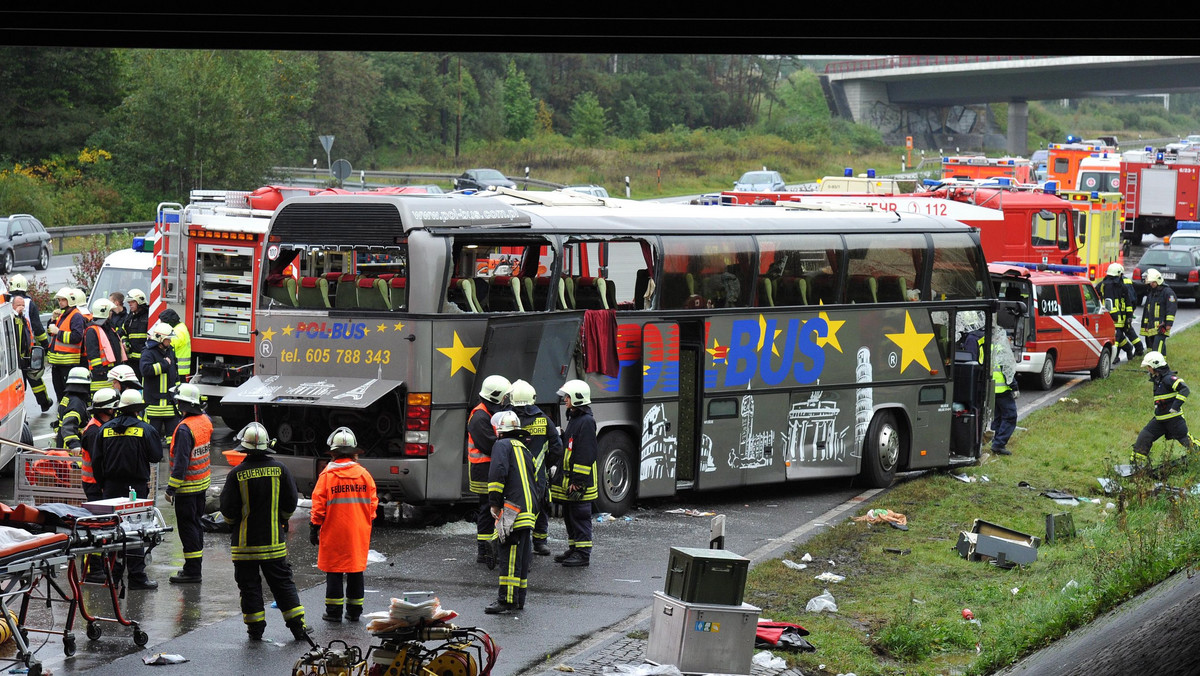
<point x="38" y="544"/>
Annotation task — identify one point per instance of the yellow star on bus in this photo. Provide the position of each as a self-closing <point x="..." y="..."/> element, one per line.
<point x="268" y="334"/>
<point x="398" y="326"/>
<point x="912" y="344"/>
<point x="287" y="330"/>
<point x="460" y="355"/>
<point x="762" y="335"/>
<point x="718" y="352"/>
<point x="382" y="327"/>
<point x="831" y="333"/>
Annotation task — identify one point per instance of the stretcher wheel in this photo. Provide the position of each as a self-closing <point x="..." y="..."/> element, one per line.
<point x="69" y="645"/>
<point x="35" y="669"/>
<point x="140" y="638"/>
<point x="93" y="631"/>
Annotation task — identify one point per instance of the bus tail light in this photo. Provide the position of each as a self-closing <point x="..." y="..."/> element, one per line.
<point x="416" y="424"/>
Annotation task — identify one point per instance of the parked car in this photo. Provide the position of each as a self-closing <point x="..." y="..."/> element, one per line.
<point x="1188" y="234"/>
<point x="23" y="241"/>
<point x="481" y="179"/>
<point x="590" y="189"/>
<point x="1066" y="328"/>
<point x="1179" y="265"/>
<point x="760" y="181"/>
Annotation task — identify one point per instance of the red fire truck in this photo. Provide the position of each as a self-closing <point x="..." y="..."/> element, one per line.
<point x="977" y="167"/>
<point x="1160" y="190"/>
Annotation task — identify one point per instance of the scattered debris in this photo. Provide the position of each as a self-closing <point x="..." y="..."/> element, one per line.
<point x="897" y="550"/>
<point x="688" y="512"/>
<point x="564" y="667"/>
<point x="1003" y="547"/>
<point x="642" y="670"/>
<point x="807" y="558"/>
<point x="375" y="557"/>
<point x="605" y="516"/>
<point x="768" y="661"/>
<point x="164" y="658"/>
<point x="793" y="565"/>
<point x="967" y="614"/>
<point x="821" y="603"/>
<point x="964" y="478"/>
<point x="1069" y="400"/>
<point x="1059" y="526"/>
<point x="1014" y="590"/>
<point x="1109" y="485"/>
<point x="830" y="577"/>
<point x="1070" y="585"/>
<point x="893" y="519"/>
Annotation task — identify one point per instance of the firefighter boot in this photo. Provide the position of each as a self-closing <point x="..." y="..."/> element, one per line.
<point x="500" y="608"/>
<point x="541" y="548"/>
<point x="484" y="552"/>
<point x="255" y="630"/>
<point x="559" y="558"/>
<point x="299" y="629"/>
<point x="577" y="559"/>
<point x="333" y="613"/>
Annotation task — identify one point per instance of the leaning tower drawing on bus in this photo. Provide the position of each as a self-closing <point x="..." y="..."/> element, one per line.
<point x="864" y="400"/>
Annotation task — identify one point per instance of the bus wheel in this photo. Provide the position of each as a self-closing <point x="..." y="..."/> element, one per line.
<point x="618" y="474"/>
<point x="881" y="451"/>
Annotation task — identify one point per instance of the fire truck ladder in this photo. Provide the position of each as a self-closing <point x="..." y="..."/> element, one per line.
<point x="1131" y="181"/>
<point x="170" y="241"/>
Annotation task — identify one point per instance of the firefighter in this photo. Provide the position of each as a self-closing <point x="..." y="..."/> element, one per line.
<point x="26" y="343"/>
<point x="122" y="377"/>
<point x="181" y="343"/>
<point x="257" y="500"/>
<point x="1004" y="374"/>
<point x="544" y="442"/>
<point x="102" y="349"/>
<point x="73" y="410"/>
<point x="103" y="408"/>
<point x="1117" y="289"/>
<point x="575" y="484"/>
<point x="136" y="326"/>
<point x="1170" y="393"/>
<point x="1159" y="314"/>
<point x="480" y="438"/>
<point x="158" y="377"/>
<point x="18" y="286"/>
<point x="121" y="463"/>
<point x="190" y="478"/>
<point x="513" y="504"/>
<point x="343" y="507"/>
<point x="66" y="340"/>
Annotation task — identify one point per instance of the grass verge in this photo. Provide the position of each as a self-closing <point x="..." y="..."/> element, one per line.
<point x="902" y="614"/>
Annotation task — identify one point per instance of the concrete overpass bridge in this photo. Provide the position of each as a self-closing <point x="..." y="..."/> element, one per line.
<point x="940" y="101"/>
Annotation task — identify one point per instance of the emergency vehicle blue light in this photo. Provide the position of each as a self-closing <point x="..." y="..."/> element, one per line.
<point x="1158" y="157"/>
<point x="1046" y="267"/>
<point x="1050" y="188"/>
<point x="848" y="172"/>
<point x="1149" y="149"/>
<point x="138" y="243"/>
<point x="1072" y="139"/>
<point x="1095" y="195"/>
<point x="870" y="173"/>
<point x="1003" y="180"/>
<point x="1094" y="155"/>
<point x="1188" y="225"/>
<point x="931" y="181"/>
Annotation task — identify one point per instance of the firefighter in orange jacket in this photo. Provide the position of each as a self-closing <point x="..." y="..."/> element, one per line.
<point x="190" y="478"/>
<point x="343" y="508"/>
<point x="480" y="439"/>
<point x="102" y="349"/>
<point x="66" y="339"/>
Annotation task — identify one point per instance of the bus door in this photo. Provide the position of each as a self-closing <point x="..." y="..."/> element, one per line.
<point x="536" y="349"/>
<point x="668" y="447"/>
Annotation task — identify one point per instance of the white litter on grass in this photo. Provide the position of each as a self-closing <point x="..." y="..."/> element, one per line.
<point x="964" y="478"/>
<point x="830" y="577"/>
<point x="1067" y="502"/>
<point x="793" y="565"/>
<point x="642" y="670"/>
<point x="375" y="557"/>
<point x="1070" y="585"/>
<point x="768" y="661"/>
<point x="807" y="558"/>
<point x="821" y="603"/>
<point x="1069" y="400"/>
<point x="1014" y="590"/>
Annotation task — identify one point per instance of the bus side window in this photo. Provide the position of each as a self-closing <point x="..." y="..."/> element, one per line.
<point x="894" y="261"/>
<point x="956" y="267"/>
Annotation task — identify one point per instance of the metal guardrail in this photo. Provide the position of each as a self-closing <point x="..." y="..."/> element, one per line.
<point x="310" y="177"/>
<point x="61" y="234"/>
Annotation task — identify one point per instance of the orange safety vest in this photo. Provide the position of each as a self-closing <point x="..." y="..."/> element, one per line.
<point x="343" y="505"/>
<point x="64" y="326"/>
<point x="107" y="356"/>
<point x="474" y="454"/>
<point x="198" y="475"/>
<point x="85" y="467"/>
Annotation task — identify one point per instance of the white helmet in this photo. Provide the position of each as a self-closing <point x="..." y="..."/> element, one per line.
<point x="79" y="376"/>
<point x="342" y="438"/>
<point x="123" y="373"/>
<point x="78" y="298"/>
<point x="18" y="283"/>
<point x="1154" y="360"/>
<point x="1115" y="270"/>
<point x="254" y="437"/>
<point x="494" y="388"/>
<point x="521" y="393"/>
<point x="188" y="399"/>
<point x="102" y="308"/>
<point x="131" y="399"/>
<point x="159" y="332"/>
<point x="1153" y="276"/>
<point x="136" y="295"/>
<point x="64" y="293"/>
<point x="105" y="398"/>
<point x="505" y="421"/>
<point x="578" y="391"/>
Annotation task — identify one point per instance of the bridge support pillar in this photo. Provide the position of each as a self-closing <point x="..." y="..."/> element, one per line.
<point x="1018" y="127"/>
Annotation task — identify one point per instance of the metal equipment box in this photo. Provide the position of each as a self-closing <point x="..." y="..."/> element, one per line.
<point x="706" y="576"/>
<point x="702" y="638"/>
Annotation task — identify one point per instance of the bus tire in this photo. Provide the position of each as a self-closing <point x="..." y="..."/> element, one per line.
<point x="881" y="451"/>
<point x="1045" y="379"/>
<point x="617" y="474"/>
<point x="236" y="416"/>
<point x="1104" y="365"/>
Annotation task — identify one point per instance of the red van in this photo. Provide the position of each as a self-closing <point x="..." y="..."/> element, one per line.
<point x="1067" y="328"/>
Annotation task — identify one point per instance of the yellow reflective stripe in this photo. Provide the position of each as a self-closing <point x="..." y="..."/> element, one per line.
<point x="334" y="602"/>
<point x="193" y="555"/>
<point x="250" y="618"/>
<point x="294" y="612"/>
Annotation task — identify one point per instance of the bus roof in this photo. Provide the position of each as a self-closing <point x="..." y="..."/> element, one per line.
<point x="379" y="218"/>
